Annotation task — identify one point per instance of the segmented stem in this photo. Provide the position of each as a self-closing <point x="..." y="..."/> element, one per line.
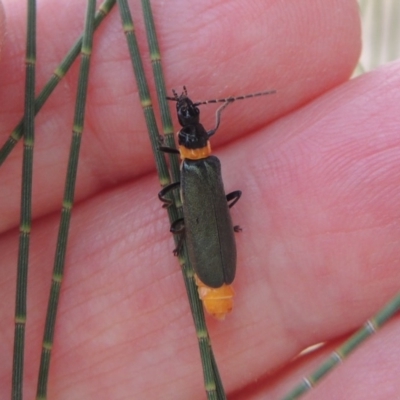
<point x="26" y="207"/>
<point x="143" y="90"/>
<point x="155" y="56"/>
<point x="342" y="352"/>
<point x="212" y="379"/>
<point x="58" y="74"/>
<point x="68" y="200"/>
<point x="213" y="385"/>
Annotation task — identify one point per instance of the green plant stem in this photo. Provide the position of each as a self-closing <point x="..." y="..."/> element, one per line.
<point x="68" y="201"/>
<point x="26" y="207"/>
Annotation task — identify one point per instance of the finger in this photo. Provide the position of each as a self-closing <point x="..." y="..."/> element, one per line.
<point x="271" y="51"/>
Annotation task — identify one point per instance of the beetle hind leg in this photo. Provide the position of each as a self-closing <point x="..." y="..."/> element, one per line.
<point x="235" y="196"/>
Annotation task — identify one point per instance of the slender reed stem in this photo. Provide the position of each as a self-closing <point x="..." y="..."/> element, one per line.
<point x="68" y="201"/>
<point x="212" y="379"/>
<point x="155" y="56"/>
<point x="210" y="371"/>
<point x="343" y="351"/>
<point x="26" y="207"/>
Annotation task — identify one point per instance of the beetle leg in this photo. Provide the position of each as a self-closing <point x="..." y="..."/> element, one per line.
<point x="170" y="150"/>
<point x="161" y="194"/>
<point x="235" y="196"/>
<point x="178" y="231"/>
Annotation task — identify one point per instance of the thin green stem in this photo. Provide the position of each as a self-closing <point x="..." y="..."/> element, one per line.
<point x="58" y="74"/>
<point x="143" y="91"/>
<point x="26" y="207"/>
<point x="342" y="352"/>
<point x="68" y="201"/>
<point x="155" y="56"/>
<point x="212" y="381"/>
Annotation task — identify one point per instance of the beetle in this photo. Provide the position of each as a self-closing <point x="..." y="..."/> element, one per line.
<point x="206" y="223"/>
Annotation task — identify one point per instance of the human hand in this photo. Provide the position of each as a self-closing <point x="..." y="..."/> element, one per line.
<point x="319" y="211"/>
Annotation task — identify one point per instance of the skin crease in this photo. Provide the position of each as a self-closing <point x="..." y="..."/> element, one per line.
<point x="318" y="164"/>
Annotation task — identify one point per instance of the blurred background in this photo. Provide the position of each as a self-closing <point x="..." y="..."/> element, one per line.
<point x="381" y="33"/>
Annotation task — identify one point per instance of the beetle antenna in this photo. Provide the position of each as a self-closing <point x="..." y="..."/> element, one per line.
<point x="232" y="99"/>
<point x="218" y="117"/>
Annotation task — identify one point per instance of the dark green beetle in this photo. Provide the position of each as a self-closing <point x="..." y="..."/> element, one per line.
<point x="207" y="222"/>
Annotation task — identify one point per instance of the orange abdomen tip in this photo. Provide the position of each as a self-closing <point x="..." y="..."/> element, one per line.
<point x="217" y="301"/>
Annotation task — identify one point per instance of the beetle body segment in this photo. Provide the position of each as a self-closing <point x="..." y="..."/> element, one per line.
<point x="208" y="224"/>
<point x="217" y="302"/>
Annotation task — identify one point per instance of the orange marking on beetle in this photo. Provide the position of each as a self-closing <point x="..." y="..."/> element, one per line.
<point x="195" y="154"/>
<point x="217" y="301"/>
